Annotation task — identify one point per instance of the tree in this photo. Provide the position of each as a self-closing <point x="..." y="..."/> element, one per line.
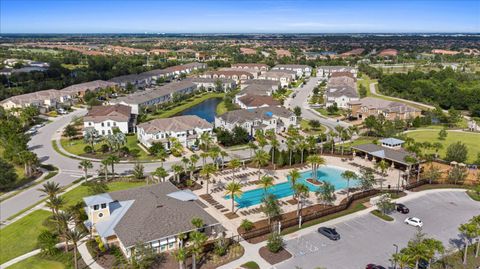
<point x="385" y="204"/>
<point x="293" y="176"/>
<point x="70" y="131"/>
<point x="177" y="170"/>
<point x="315" y="161"/>
<point x="270" y="207"/>
<point x="112" y="160"/>
<point x="275" y="242"/>
<point x="161" y="173"/>
<point x="104" y="168"/>
<point x="143" y="256"/>
<point x="302" y="192"/>
<point x="382" y="166"/>
<point x="433" y="247"/>
<point x="468" y="230"/>
<point x="437" y="146"/>
<point x="85" y="165"/>
<point x="198" y="239"/>
<point x="326" y="193"/>
<point x="47" y="242"/>
<point x="158" y="150"/>
<point x="62" y="220"/>
<point x="138" y="171"/>
<point x="275" y="144"/>
<point x="90" y="137"/>
<point x="234" y="164"/>
<point x="457" y="151"/>
<point x="349" y="175"/>
<point x="442" y="135"/>
<point x="51" y="189"/>
<point x="301" y="145"/>
<point x="246" y="225"/>
<point x="291" y="145"/>
<point x="297" y="111"/>
<point x="206" y="140"/>
<point x="260" y="159"/>
<point x="366" y="179"/>
<point x="28" y="159"/>
<point x="233" y="189"/>
<point x="193" y="164"/>
<point x="206" y="171"/>
<point x="55" y="203"/>
<point x="175" y="146"/>
<point x="457" y="174"/>
<point x="75" y="236"/>
<point x="197" y="222"/>
<point x="9" y="175"/>
<point x="265" y="182"/>
<point x="180" y="256"/>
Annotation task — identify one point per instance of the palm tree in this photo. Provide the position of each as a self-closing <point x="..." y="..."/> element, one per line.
<point x="302" y="192"/>
<point x="233" y="189"/>
<point x="417" y="251"/>
<point x="252" y="147"/>
<point x="177" y="169"/>
<point x="340" y="133"/>
<point x="204" y="155"/>
<point x="312" y="143"/>
<point x="260" y="159"/>
<point x="326" y="193"/>
<point x="402" y="259"/>
<point x="349" y="175"/>
<point x="261" y="139"/>
<point x="28" y="159"/>
<point x="301" y="145"/>
<point x="104" y="168"/>
<point x="315" y="161"/>
<point x="185" y="161"/>
<point x="382" y="166"/>
<point x="291" y="147"/>
<point x="193" y="164"/>
<point x="90" y="137"/>
<point x="206" y="171"/>
<point x="265" y="182"/>
<point x="274" y="144"/>
<point x="214" y="154"/>
<point x="181" y="255"/>
<point x="161" y="154"/>
<point x="51" y="189"/>
<point x="55" y="203"/>
<point x="468" y="231"/>
<point x="234" y="164"/>
<point x="112" y="160"/>
<point x="175" y="146"/>
<point x="160" y="173"/>
<point x="206" y="140"/>
<point x="223" y="154"/>
<point x="476" y="220"/>
<point x="433" y="247"/>
<point x="85" y="165"/>
<point x="293" y="175"/>
<point x="63" y="219"/>
<point x="75" y="236"/>
<point x="198" y="239"/>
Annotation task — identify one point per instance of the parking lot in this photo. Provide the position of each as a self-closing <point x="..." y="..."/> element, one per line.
<point x="368" y="239"/>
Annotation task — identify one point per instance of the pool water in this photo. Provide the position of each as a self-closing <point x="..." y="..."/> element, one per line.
<point x="282" y="190"/>
<point x="205" y="110"/>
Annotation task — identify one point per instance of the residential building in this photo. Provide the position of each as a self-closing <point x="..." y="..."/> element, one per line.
<point x="44" y="100"/>
<point x="263" y="118"/>
<point x="153" y="215"/>
<point x="210" y="84"/>
<point x="187" y="129"/>
<point x="300" y="69"/>
<point x="254" y="72"/>
<point x="391" y="110"/>
<point x="283" y="53"/>
<point x="105" y="119"/>
<point x="327" y="71"/>
<point x="156" y="96"/>
<point x="259" y="67"/>
<point x="274" y="84"/>
<point x="237" y="75"/>
<point x="249" y="101"/>
<point x="248" y="51"/>
<point x="341" y="95"/>
<point x="79" y="90"/>
<point x="285" y="77"/>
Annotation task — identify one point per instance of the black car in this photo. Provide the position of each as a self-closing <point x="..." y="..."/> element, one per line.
<point x="331" y="233"/>
<point x="422" y="264"/>
<point x="374" y="266"/>
<point x="402" y="208"/>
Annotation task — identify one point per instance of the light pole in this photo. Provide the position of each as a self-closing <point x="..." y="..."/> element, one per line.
<point x="395" y="260"/>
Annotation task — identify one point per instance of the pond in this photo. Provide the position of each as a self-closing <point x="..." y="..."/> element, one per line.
<point x="205" y="110"/>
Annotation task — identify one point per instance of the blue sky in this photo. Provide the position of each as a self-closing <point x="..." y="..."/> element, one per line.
<point x="220" y="16"/>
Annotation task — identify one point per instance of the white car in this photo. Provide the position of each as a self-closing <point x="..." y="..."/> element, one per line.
<point x="415" y="222"/>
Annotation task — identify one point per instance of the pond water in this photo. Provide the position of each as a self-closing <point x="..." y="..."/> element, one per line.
<point x="205" y="110"/>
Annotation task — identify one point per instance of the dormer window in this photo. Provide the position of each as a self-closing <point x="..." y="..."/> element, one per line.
<point x="104" y="206"/>
<point x="96" y="207"/>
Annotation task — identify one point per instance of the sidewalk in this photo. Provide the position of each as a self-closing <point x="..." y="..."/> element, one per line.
<point x="87" y="258"/>
<point x="30" y="184"/>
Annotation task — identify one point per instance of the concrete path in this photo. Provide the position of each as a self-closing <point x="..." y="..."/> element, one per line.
<point x="87" y="258"/>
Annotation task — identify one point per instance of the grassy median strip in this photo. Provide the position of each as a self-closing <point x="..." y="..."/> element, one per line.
<point x="379" y="214"/>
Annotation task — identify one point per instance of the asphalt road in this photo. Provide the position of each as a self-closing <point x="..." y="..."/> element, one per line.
<point x="301" y="100"/>
<point x="368" y="239"/>
<point x="41" y="144"/>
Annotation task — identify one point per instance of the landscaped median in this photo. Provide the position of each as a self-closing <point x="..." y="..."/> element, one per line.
<point x="379" y="214"/>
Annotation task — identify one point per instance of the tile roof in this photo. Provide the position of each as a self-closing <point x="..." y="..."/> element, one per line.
<point x="258" y="100"/>
<point x="261" y="113"/>
<point x="174" y="124"/>
<point x="384" y="105"/>
<point x="118" y="112"/>
<point x="91" y="85"/>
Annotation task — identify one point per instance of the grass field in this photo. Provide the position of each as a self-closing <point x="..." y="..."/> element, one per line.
<point x="74" y="196"/>
<point x="38" y="262"/>
<point x="76" y="147"/>
<point x="471" y="140"/>
<point x="221" y="108"/>
<point x="305" y="126"/>
<point x="20" y="237"/>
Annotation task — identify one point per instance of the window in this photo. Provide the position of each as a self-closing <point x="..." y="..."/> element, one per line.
<point x="103" y="131"/>
<point x="103" y="124"/>
<point x="114" y="123"/>
<point x="96" y="207"/>
<point x="108" y="124"/>
<point x="100" y="214"/>
<point x="89" y="124"/>
<point x="103" y="206"/>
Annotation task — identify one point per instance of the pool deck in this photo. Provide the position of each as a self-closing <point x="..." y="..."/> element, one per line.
<point x="217" y="192"/>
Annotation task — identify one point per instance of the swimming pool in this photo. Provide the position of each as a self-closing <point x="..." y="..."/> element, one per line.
<point x="282" y="190"/>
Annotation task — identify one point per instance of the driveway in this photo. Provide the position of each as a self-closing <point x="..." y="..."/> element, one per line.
<point x="368" y="239"/>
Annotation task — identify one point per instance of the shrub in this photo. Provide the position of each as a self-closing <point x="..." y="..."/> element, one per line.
<point x="47" y="241"/>
<point x="101" y="246"/>
<point x="250" y="265"/>
<point x="88" y="149"/>
<point x="105" y="148"/>
<point x="275" y="242"/>
<point x="134" y="153"/>
<point x="96" y="187"/>
<point x="221" y="246"/>
<point x="247" y="225"/>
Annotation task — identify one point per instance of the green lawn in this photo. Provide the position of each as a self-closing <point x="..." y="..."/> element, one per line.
<point x="76" y="147"/>
<point x="185" y="105"/>
<point x="74" y="196"/>
<point x="305" y="126"/>
<point x="20" y="237"/>
<point x="221" y="108"/>
<point x="325" y="113"/>
<point x="38" y="262"/>
<point x="471" y="140"/>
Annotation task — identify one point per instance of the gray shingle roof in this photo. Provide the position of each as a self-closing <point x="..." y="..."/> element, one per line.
<point x="154" y="215"/>
<point x="384" y="153"/>
<point x="261" y="113"/>
<point x="174" y="124"/>
<point x="141" y="97"/>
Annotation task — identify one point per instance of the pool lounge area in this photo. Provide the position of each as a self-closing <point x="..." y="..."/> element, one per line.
<point x="281" y="190"/>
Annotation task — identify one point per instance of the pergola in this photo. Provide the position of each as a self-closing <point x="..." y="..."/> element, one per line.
<point x="396" y="157"/>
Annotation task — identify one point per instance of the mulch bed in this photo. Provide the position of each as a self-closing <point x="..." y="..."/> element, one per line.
<point x="292" y="201"/>
<point x="314" y="182"/>
<point x="274" y="258"/>
<point x="231" y="215"/>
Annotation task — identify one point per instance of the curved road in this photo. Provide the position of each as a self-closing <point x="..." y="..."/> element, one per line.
<point x="41" y="144"/>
